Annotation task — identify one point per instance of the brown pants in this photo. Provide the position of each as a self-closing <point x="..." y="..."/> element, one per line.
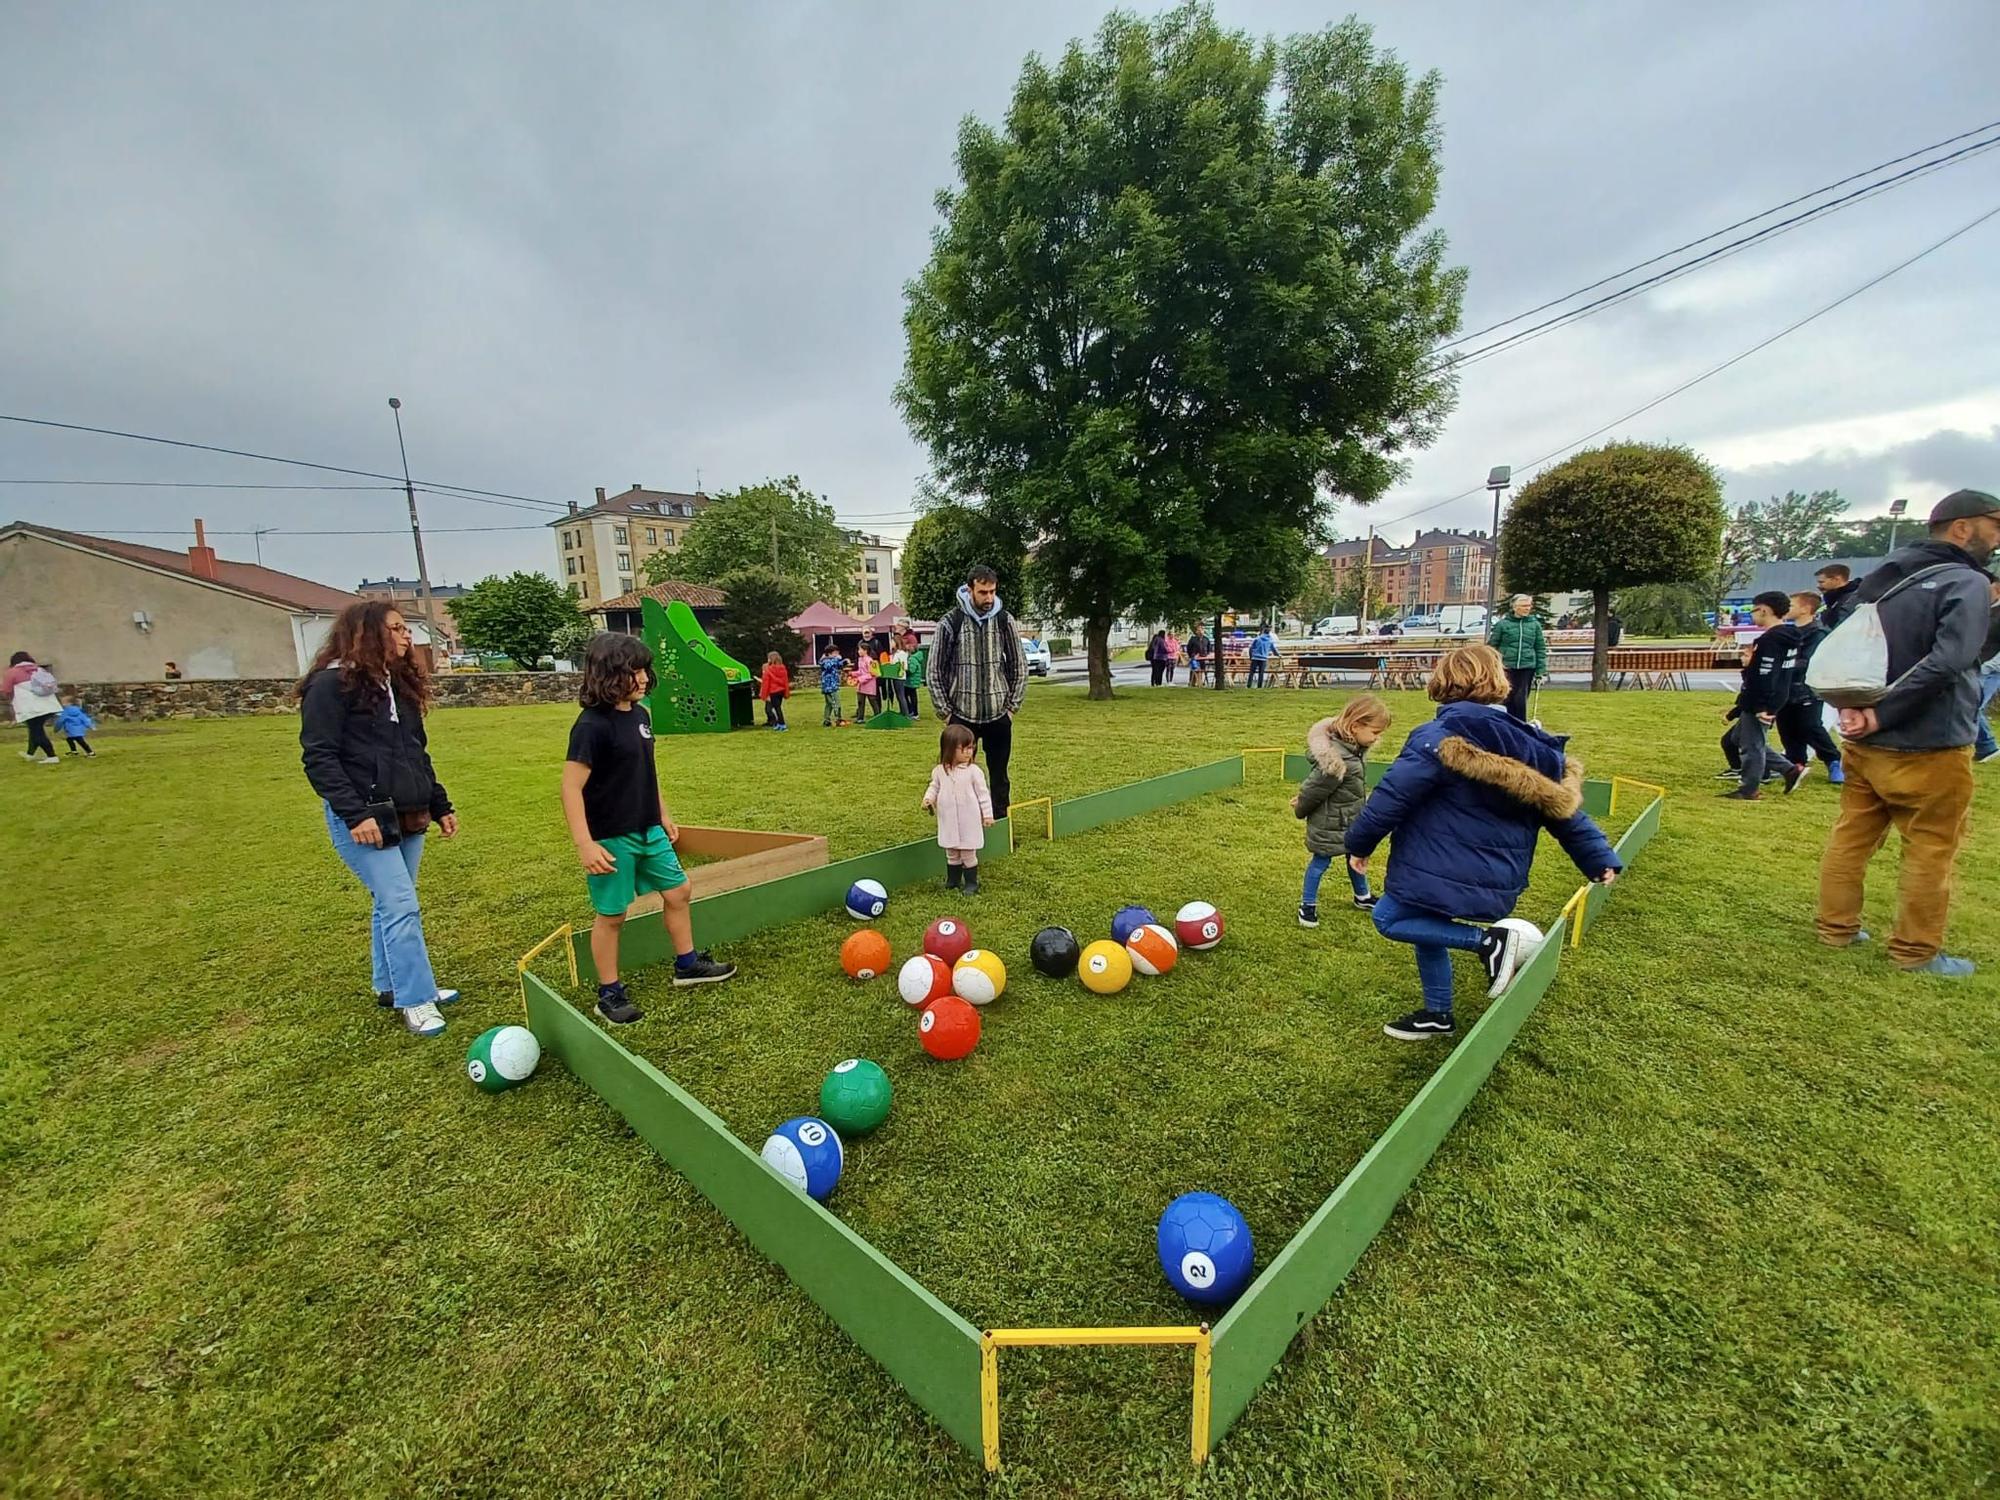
<point x="1927" y="796"/>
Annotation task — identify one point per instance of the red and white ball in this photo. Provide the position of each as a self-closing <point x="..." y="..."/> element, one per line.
<point x="923" y="979"/>
<point x="1199" y="925"/>
<point x="1152" y="949"/>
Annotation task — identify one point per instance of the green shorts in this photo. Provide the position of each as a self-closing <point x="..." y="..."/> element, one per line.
<point x="646" y="863"/>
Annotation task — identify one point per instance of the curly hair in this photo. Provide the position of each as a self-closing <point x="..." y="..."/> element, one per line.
<point x="609" y="664"/>
<point x="358" y="645"/>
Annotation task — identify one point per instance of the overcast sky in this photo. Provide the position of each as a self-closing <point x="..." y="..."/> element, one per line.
<point x="598" y="245"/>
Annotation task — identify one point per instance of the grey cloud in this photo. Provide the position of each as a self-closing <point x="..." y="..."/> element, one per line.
<point x="1924" y="470"/>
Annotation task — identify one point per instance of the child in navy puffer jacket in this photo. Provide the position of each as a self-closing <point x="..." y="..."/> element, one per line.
<point x="1466" y="801"/>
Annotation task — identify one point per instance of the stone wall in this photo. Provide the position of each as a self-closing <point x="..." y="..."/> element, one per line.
<point x="221" y="698"/>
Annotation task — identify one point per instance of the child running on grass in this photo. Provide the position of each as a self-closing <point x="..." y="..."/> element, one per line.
<point x="75" y="725"/>
<point x="624" y="834"/>
<point x="1465" y="803"/>
<point x="1332" y="794"/>
<point x="831" y="666"/>
<point x="776" y="682"/>
<point x="964" y="808"/>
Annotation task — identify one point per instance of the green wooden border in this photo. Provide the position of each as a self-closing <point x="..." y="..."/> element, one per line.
<point x="1596" y="794"/>
<point x="1097" y="808"/>
<point x="1253" y="1335"/>
<point x="927" y="1348"/>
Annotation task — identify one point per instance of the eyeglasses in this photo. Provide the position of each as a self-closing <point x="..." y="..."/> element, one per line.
<point x="400" y="629"/>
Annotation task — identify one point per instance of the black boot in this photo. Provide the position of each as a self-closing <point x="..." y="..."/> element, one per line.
<point x="972" y="881"/>
<point x="953" y="875"/>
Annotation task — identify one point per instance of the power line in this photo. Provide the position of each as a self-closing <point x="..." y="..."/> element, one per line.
<point x="1713" y="370"/>
<point x="1721" y="252"/>
<point x="285" y="531"/>
<point x="181" y="484"/>
<point x="1894" y="161"/>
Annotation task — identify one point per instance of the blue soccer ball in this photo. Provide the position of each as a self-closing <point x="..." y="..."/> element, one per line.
<point x="1205" y="1247"/>
<point x="1128" y="921"/>
<point x="866" y="900"/>
<point x="807" y="1154"/>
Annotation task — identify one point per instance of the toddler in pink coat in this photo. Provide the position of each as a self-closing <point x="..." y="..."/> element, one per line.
<point x="963" y="806"/>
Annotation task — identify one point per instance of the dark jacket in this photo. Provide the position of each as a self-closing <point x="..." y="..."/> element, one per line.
<point x="1774" y="663"/>
<point x="354" y="753"/>
<point x="1939" y="630"/>
<point x="1835" y="603"/>
<point x="1465" y="802"/>
<point x="1810" y="635"/>
<point x="1333" y="791"/>
<point x="1521" y="643"/>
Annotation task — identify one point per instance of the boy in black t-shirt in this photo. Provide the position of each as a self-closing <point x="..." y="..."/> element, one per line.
<point x="624" y="835"/>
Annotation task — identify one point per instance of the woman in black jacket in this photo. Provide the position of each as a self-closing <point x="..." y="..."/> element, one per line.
<point x="361" y="726"/>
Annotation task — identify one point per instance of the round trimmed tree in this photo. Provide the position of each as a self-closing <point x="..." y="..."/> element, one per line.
<point x="1613" y="518"/>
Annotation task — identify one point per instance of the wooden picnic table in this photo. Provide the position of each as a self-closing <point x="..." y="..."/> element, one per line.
<point x="1396" y="666"/>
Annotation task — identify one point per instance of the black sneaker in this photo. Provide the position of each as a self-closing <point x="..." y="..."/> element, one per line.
<point x="1500" y="952"/>
<point x="1308" y="914"/>
<point x="704" y="970"/>
<point x="972" y="882"/>
<point x="1366" y="903"/>
<point x="386" y="999"/>
<point x="954" y="877"/>
<point x="1421" y="1026"/>
<point x="1794" y="775"/>
<point x="615" y="1005"/>
<point x="1729" y="774"/>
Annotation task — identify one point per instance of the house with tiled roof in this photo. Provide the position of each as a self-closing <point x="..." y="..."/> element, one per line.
<point x="100" y="610"/>
<point x="624" y="614"/>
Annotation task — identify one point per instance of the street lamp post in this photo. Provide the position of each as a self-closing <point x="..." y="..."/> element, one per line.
<point x="416" y="533"/>
<point x="1896" y="510"/>
<point x="1498" y="479"/>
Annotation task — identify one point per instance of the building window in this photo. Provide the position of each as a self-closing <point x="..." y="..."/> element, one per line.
<point x="624" y="562"/>
<point x="652" y="537"/>
<point x="568" y="542"/>
<point x="569" y="566"/>
<point x="624" y="585"/>
<point x="618" y="536"/>
<point x="670" y="536"/>
<point x="868" y="566"/>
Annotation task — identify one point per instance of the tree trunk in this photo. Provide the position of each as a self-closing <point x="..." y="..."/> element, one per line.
<point x="1215" y="652"/>
<point x="1097" y="646"/>
<point x="1600" y="645"/>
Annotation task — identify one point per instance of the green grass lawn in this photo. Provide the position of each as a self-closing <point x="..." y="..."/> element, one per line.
<point x="1724" y="1221"/>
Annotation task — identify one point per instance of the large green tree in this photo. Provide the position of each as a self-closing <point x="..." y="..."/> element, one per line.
<point x="778" y="526"/>
<point x="518" y="615"/>
<point x="1612" y="518"/>
<point x="1181" y="300"/>
<point x="944" y="544"/>
<point x="754" y="623"/>
<point x="1793" y="525"/>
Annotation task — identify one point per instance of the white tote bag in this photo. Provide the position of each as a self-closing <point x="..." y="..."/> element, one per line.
<point x="1851" y="667"/>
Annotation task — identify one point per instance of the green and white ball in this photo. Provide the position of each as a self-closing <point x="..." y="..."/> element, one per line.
<point x="502" y="1058"/>
<point x="855" y="1097"/>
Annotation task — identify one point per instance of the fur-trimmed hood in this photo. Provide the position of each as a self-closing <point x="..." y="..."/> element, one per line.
<point x="1550" y="798"/>
<point x="1324" y="748"/>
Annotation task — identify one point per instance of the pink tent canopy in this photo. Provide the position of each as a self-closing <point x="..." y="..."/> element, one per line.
<point x="892" y="612"/>
<point x="824" y="619"/>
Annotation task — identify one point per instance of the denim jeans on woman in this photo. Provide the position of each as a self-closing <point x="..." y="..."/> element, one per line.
<point x="1989" y="687"/>
<point x="1433" y="935"/>
<point x="401" y="962"/>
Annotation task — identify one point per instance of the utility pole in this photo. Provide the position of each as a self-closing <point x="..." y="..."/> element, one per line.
<point x="1896" y="510"/>
<point x="774" y="541"/>
<point x="1498" y="479"/>
<point x="416" y="533"/>
<point x="1367" y="582"/>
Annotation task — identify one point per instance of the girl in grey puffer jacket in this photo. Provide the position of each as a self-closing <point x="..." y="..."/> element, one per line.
<point x="1330" y="798"/>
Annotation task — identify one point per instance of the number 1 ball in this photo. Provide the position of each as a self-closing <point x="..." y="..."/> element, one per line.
<point x="807" y="1154"/>
<point x="1198" y="925"/>
<point x="1055" y="952"/>
<point x="949" y="1028"/>
<point x="865" y="954"/>
<point x="1129" y="920"/>
<point x="979" y="977"/>
<point x="948" y="938"/>
<point x="923" y="979"/>
<point x="1153" y="949"/>
<point x="1204" y="1247"/>
<point x="855" y="1096"/>
<point x="866" y="900"/>
<point x="1105" y="968"/>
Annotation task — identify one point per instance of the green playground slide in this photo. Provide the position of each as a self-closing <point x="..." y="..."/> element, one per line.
<point x="702" y="689"/>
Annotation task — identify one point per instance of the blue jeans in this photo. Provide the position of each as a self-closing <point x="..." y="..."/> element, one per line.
<point x="1256" y="677"/>
<point x="401" y="964"/>
<point x="1316" y="869"/>
<point x="1433" y="935"/>
<point x="1989" y="686"/>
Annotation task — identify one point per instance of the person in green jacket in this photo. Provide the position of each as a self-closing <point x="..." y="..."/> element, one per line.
<point x="1331" y="796"/>
<point x="1524" y="652"/>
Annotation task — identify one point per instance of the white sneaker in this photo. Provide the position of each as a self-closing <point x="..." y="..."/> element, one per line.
<point x="446" y="997"/>
<point x="424" y="1020"/>
<point x="27" y="755"/>
<point x="49" y="763"/>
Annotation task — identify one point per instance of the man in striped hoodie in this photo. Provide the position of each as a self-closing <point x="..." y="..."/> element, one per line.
<point x="977" y="675"/>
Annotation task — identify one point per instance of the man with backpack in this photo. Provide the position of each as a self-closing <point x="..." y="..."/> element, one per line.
<point x="977" y="674"/>
<point x="1909" y="751"/>
<point x="31" y="687"/>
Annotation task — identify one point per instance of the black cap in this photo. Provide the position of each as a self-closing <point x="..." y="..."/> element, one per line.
<point x="1960" y="504"/>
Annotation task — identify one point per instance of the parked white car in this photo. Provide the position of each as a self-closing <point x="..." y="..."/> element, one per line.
<point x="1036" y="654"/>
<point x="1343" y="625"/>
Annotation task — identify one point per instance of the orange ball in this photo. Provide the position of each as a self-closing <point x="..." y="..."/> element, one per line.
<point x="1152" y="949"/>
<point x="948" y="1028"/>
<point x="865" y="954"/>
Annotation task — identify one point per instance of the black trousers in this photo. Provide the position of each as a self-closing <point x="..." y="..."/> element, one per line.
<point x="78" y="742"/>
<point x="1520" y="683"/>
<point x="1801" y="727"/>
<point x="774" y="708"/>
<point x="997" y="740"/>
<point x="1159" y="671"/>
<point x="38" y="735"/>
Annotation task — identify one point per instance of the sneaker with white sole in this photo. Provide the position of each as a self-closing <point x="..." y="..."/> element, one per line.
<point x="51" y="761"/>
<point x="1793" y="775"/>
<point x="1308" y="914"/>
<point x="1500" y="952"/>
<point x="1421" y="1026"/>
<point x="424" y="1020"/>
<point x="701" y="969"/>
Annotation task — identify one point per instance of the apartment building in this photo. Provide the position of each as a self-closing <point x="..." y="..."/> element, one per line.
<point x="875" y="573"/>
<point x="1437" y="567"/>
<point x="602" y="548"/>
<point x="407" y="596"/>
